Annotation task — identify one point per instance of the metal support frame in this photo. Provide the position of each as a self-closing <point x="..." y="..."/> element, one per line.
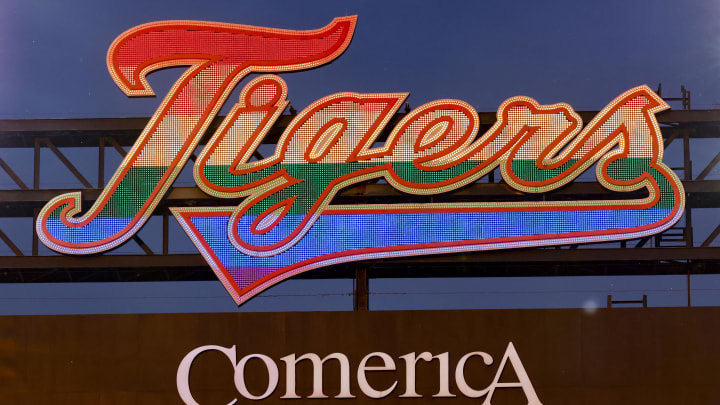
<point x="121" y="133"/>
<point x="101" y="156"/>
<point x="361" y="298"/>
<point x="12" y="175"/>
<point x="518" y="263"/>
<point x="10" y="244"/>
<point x="35" y="240"/>
<point x="689" y="267"/>
<point x="713" y="235"/>
<point x="709" y="167"/>
<point x="685" y="98"/>
<point x="63" y="159"/>
<point x="611" y="302"/>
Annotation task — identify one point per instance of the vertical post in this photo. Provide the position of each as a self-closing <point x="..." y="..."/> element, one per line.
<point x="688" y="283"/>
<point x="685" y="97"/>
<point x="165" y="240"/>
<point x="35" y="240"/>
<point x="36" y="165"/>
<point x="361" y="301"/>
<point x="101" y="163"/>
<point x="166" y="243"/>
<point x="687" y="163"/>
<point x="688" y="227"/>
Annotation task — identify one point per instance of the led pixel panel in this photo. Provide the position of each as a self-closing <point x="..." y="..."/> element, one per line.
<point x="288" y="221"/>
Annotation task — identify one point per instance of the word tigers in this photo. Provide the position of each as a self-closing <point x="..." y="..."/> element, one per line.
<point x="286" y="222"/>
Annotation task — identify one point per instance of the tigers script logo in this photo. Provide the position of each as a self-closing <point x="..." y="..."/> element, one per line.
<point x="286" y="223"/>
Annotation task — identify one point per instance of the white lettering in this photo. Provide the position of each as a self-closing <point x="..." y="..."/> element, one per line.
<point x="524" y="382"/>
<point x="291" y="362"/>
<point x="460" y="374"/>
<point x="443" y="371"/>
<point x="273" y="376"/>
<point x="388" y="365"/>
<point x="183" y="374"/>
<point x="510" y="357"/>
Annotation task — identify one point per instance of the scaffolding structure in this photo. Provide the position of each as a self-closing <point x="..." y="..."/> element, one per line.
<point x="675" y="251"/>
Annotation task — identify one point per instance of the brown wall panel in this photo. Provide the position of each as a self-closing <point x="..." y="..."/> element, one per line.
<point x="618" y="356"/>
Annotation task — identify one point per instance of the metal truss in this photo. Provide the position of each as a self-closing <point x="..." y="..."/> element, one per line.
<point x="675" y="251"/>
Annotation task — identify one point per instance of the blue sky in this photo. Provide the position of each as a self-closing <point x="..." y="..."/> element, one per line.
<point x="52" y="65"/>
<point x="583" y="53"/>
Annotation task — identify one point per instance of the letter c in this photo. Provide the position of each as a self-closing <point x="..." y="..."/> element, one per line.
<point x="183" y="374"/>
<point x="460" y="375"/>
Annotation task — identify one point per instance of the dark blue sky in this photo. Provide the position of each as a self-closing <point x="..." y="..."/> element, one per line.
<point x="583" y="53"/>
<point x="52" y="65"/>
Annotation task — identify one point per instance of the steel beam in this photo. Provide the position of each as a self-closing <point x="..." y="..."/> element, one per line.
<point x="88" y="132"/>
<point x="540" y="263"/>
<point x="179" y="261"/>
<point x="701" y="194"/>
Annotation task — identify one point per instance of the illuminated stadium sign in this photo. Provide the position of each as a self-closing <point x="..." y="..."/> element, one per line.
<point x="287" y="223"/>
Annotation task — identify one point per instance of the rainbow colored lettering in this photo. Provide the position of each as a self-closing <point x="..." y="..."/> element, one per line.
<point x="286" y="222"/>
